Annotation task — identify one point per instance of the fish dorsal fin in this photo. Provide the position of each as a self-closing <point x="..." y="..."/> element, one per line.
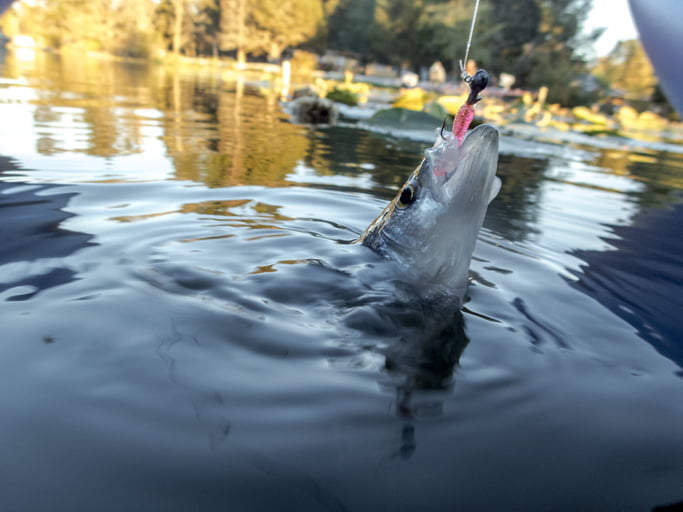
<point x="495" y="188"/>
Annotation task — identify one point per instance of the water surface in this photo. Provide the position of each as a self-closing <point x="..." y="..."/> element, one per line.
<point x="185" y="325"/>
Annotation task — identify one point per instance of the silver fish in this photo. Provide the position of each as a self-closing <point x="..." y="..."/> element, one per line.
<point x="430" y="228"/>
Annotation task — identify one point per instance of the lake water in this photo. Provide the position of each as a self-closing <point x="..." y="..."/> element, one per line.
<point x="184" y="325"/>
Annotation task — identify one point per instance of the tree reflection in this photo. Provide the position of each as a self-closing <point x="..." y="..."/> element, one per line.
<point x="245" y="140"/>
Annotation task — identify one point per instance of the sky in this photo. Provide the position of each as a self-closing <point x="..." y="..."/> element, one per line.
<point x="615" y="15"/>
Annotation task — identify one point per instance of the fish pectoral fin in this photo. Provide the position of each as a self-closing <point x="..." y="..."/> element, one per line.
<point x="495" y="188"/>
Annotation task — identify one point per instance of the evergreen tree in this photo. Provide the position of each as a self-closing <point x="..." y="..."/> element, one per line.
<point x="537" y="41"/>
<point x="350" y="27"/>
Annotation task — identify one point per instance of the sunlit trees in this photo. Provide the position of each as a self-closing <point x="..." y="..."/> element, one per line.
<point x="85" y="23"/>
<point x="188" y="27"/>
<point x="537" y="41"/>
<point x="123" y="27"/>
<point x="178" y="17"/>
<point x="268" y="26"/>
<point x="135" y="34"/>
<point x="205" y="16"/>
<point x="278" y="24"/>
<point x="628" y="69"/>
<point x="233" y="23"/>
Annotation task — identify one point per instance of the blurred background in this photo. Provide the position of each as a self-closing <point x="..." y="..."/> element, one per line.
<point x="575" y="52"/>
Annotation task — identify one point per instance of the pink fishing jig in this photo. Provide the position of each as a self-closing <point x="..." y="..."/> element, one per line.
<point x="465" y="114"/>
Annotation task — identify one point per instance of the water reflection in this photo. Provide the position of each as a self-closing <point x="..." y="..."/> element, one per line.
<point x="421" y="364"/>
<point x="295" y="354"/>
<point x="245" y="141"/>
<point x="214" y="132"/>
<point x="515" y="211"/>
<point x="638" y="279"/>
<point x="32" y="217"/>
<point x="31" y="230"/>
<point x="223" y="133"/>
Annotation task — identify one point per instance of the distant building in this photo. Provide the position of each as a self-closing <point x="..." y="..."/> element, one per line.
<point x="437" y="73"/>
<point x="506" y="81"/>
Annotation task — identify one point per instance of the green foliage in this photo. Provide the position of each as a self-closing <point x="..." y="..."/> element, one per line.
<point x="121" y="27"/>
<point x="343" y="96"/>
<point x="537" y="41"/>
<point x="399" y="31"/>
<point x="281" y="23"/>
<point x="269" y="26"/>
<point x="627" y="69"/>
<point x="349" y="26"/>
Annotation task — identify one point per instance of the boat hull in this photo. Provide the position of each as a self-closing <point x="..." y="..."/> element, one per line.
<point x="659" y="25"/>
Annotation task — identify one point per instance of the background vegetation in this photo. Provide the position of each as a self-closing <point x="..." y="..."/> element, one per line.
<point x="540" y="42"/>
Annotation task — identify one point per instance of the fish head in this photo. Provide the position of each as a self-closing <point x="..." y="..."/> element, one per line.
<point x="431" y="225"/>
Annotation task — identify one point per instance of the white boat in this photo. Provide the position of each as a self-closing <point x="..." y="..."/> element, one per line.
<point x="659" y="25"/>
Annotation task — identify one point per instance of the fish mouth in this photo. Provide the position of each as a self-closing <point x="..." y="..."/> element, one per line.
<point x="484" y="136"/>
<point x="473" y="163"/>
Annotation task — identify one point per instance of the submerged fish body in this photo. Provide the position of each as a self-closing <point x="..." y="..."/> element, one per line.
<point x="430" y="228"/>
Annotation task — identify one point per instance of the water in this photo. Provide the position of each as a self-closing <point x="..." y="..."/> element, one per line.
<point x="185" y="326"/>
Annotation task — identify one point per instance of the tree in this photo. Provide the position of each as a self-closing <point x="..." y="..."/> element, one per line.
<point x="173" y="24"/>
<point x="277" y="24"/>
<point x="350" y="26"/>
<point x="205" y="27"/>
<point x="189" y="27"/>
<point x="233" y="27"/>
<point x="538" y="41"/>
<point x="268" y="26"/>
<point x="79" y="23"/>
<point x="178" y="16"/>
<point x="399" y="32"/>
<point x="446" y="27"/>
<point x="627" y="68"/>
<point x="135" y="32"/>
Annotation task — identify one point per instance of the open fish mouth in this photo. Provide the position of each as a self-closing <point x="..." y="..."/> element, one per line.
<point x="455" y="164"/>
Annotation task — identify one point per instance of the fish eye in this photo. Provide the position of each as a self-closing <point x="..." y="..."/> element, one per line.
<point x="407" y="196"/>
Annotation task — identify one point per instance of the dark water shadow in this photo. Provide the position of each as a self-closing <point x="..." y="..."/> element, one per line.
<point x="640" y="281"/>
<point x="674" y="507"/>
<point x="421" y="365"/>
<point x="423" y="343"/>
<point x="31" y="217"/>
<point x="417" y="343"/>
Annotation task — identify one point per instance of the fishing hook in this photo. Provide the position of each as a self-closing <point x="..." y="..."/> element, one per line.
<point x="443" y="125"/>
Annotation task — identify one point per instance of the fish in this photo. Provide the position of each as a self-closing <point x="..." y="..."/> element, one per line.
<point x="430" y="227"/>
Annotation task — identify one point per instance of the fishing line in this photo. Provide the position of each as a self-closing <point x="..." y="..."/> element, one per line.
<point x="463" y="67"/>
<point x="463" y="118"/>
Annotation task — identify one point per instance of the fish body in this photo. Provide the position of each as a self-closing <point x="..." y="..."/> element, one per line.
<point x="430" y="227"/>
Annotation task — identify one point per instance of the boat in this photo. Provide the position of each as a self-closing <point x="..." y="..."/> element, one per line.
<point x="659" y="25"/>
